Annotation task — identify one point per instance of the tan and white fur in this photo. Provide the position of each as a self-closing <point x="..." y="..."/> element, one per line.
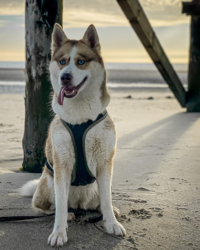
<point x="100" y="144"/>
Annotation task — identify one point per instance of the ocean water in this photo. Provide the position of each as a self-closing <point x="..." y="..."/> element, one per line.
<point x="109" y="66"/>
<point x="19" y="86"/>
<point x="12" y="65"/>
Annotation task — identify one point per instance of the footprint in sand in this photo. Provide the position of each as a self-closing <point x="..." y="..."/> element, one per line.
<point x="140" y="213"/>
<point x="143" y="189"/>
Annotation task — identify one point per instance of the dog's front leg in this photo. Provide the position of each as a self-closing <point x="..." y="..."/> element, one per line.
<point x="110" y="222"/>
<point x="62" y="184"/>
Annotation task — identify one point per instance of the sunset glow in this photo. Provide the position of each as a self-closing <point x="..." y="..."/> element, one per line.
<point x="119" y="42"/>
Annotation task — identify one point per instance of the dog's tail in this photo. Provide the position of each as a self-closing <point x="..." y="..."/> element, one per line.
<point x="28" y="189"/>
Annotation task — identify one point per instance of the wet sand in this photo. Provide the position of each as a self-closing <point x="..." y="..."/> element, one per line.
<point x="118" y="76"/>
<point x="12" y="75"/>
<point x="156" y="178"/>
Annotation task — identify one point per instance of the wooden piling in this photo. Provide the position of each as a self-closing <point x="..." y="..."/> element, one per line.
<point x="193" y="94"/>
<point x="40" y="19"/>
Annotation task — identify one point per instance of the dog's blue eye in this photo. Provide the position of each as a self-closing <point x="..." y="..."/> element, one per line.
<point x="62" y="62"/>
<point x="81" y="62"/>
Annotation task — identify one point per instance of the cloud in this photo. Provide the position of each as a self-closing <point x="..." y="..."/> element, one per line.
<point x="119" y="42"/>
<point x="164" y="12"/>
<point x="104" y="13"/>
<point x="12" y="20"/>
<point x="12" y="7"/>
<point x="80" y="18"/>
<point x="108" y="13"/>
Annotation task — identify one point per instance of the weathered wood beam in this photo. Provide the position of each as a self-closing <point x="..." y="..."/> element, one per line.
<point x="40" y="19"/>
<point x="191" y="8"/>
<point x="138" y="20"/>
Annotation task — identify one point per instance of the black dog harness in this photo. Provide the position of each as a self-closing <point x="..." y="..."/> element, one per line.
<point x="81" y="174"/>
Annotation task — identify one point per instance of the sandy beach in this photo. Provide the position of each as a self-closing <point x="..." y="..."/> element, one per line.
<point x="156" y="178"/>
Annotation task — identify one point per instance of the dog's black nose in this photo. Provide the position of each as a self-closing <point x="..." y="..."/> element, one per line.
<point x="66" y="78"/>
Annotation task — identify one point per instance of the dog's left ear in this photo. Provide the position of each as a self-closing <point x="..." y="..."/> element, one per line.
<point x="58" y="37"/>
<point x="91" y="38"/>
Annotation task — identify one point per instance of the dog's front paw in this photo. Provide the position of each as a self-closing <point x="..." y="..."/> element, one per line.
<point x="57" y="239"/>
<point x="115" y="228"/>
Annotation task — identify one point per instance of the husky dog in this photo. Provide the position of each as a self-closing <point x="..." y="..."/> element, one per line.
<point x="78" y="78"/>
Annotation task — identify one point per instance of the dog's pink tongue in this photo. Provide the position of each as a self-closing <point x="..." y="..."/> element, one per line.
<point x="61" y="95"/>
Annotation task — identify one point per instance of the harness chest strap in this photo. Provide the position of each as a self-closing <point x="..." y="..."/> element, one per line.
<point x="81" y="174"/>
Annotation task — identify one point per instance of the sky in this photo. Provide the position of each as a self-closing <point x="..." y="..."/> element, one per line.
<point x="118" y="40"/>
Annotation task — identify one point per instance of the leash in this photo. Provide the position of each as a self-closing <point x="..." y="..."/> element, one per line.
<point x="17" y="218"/>
<point x="77" y="212"/>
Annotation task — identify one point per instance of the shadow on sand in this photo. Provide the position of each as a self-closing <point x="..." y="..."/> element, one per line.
<point x="139" y="153"/>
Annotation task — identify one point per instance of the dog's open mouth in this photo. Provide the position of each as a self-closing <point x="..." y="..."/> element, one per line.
<point x="69" y="91"/>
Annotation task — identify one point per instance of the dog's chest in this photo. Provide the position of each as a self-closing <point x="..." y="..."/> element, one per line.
<point x="98" y="144"/>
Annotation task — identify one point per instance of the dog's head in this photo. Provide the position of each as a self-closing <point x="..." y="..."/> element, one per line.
<point x="76" y="66"/>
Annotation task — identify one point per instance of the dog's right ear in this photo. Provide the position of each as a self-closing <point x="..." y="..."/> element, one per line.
<point x="91" y="38"/>
<point x="58" y="37"/>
